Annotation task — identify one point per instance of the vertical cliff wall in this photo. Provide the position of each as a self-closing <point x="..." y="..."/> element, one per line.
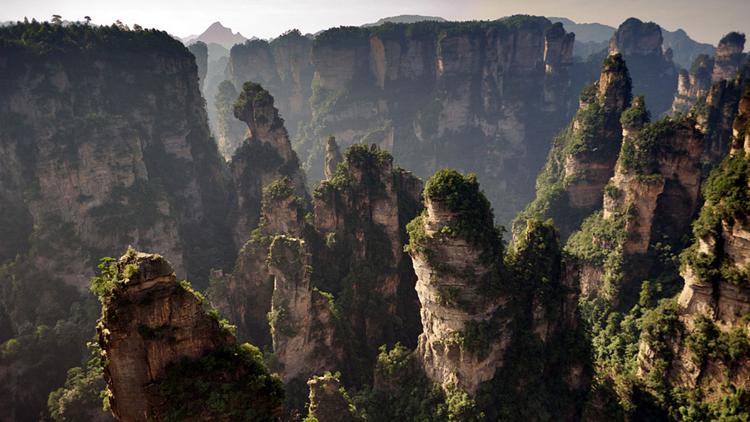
<point x="104" y="143"/>
<point x="481" y="97"/>
<point x="583" y="155"/>
<point x="283" y="66"/>
<point x="102" y="164"/>
<point x="494" y="324"/>
<point x="705" y="347"/>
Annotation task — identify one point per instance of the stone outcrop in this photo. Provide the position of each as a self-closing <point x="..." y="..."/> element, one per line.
<point x="483" y="310"/>
<point x="723" y="242"/>
<point x="304" y="328"/>
<point x="583" y="156"/>
<point x="353" y="261"/>
<point x="333" y="158"/>
<point x="245" y="294"/>
<point x="707" y="343"/>
<point x="263" y="157"/>
<point x="151" y="325"/>
<point x="654" y="75"/>
<point x="694" y="84"/>
<point x="90" y="162"/>
<point x="361" y="214"/>
<point x="199" y="49"/>
<point x="455" y="275"/>
<point x="716" y="116"/>
<point x="329" y="401"/>
<point x="728" y="56"/>
<point x="229" y="131"/>
<point x="283" y="66"/>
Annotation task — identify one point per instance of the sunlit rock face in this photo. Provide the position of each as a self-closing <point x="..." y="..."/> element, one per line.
<point x="728" y="56"/>
<point x="155" y="331"/>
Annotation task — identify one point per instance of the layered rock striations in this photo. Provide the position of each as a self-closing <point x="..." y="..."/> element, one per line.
<point x="456" y="251"/>
<point x="484" y="312"/>
<point x="164" y="354"/>
<point x="706" y="347"/>
<point x="716" y="114"/>
<point x="361" y="214"/>
<point x="342" y="285"/>
<point x="651" y="198"/>
<point x="104" y="143"/>
<point x="103" y="165"/>
<point x="583" y="156"/>
<point x="444" y="94"/>
<point x="306" y="340"/>
<point x="654" y="75"/>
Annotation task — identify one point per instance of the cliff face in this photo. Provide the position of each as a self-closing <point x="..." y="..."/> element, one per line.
<point x="199" y="50"/>
<point x="229" y="131"/>
<point x="305" y="338"/>
<point x="716" y="116"/>
<point x="728" y="56"/>
<point x="694" y="84"/>
<point x="494" y="324"/>
<point x="583" y="156"/>
<point x="708" y="348"/>
<point x="427" y="91"/>
<point x="651" y="198"/>
<point x="157" y="341"/>
<point x="329" y="401"/>
<point x="339" y="285"/>
<point x="455" y="274"/>
<point x="262" y="158"/>
<point x="654" y="75"/>
<point x="104" y="143"/>
<point x="283" y="67"/>
<point x="245" y="294"/>
<point x="360" y="215"/>
<point x="89" y="164"/>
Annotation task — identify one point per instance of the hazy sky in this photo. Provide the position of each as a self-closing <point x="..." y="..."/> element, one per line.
<point x="704" y="20"/>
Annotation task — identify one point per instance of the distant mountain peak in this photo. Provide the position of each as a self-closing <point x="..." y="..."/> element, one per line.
<point x="219" y="34"/>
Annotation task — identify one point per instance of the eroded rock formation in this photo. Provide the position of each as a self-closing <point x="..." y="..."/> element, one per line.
<point x="283" y="66"/>
<point x="694" y="84"/>
<point x="583" y="156"/>
<point x="303" y="324"/>
<point x="706" y="345"/>
<point x="654" y="75"/>
<point x="413" y="90"/>
<point x="456" y="254"/>
<point x="728" y="56"/>
<point x="333" y="158"/>
<point x="164" y="352"/>
<point x="262" y="158"/>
